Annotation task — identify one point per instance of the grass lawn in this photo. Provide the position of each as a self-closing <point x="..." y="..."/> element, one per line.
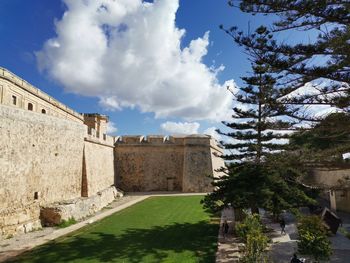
<point x="158" y="229"/>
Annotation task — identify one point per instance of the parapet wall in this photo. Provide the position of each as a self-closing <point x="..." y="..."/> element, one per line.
<point x="41" y="163"/>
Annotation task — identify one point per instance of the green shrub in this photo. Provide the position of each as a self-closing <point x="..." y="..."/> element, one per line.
<point x="66" y="223"/>
<point x="313" y="238"/>
<point x="255" y="247"/>
<point x="251" y="231"/>
<point x="251" y="223"/>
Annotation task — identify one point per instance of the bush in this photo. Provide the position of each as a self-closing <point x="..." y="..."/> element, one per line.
<point x="255" y="246"/>
<point x="313" y="238"/>
<point x="251" y="231"/>
<point x="251" y="223"/>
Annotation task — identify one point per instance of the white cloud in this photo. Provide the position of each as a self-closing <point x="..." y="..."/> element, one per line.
<point x="128" y="53"/>
<point x="170" y="127"/>
<point x="111" y="127"/>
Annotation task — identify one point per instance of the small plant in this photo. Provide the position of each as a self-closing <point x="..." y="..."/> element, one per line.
<point x="313" y="238"/>
<point x="251" y="231"/>
<point x="66" y="223"/>
<point x="255" y="247"/>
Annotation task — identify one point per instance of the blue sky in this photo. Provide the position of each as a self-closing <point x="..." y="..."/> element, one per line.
<point x="138" y="107"/>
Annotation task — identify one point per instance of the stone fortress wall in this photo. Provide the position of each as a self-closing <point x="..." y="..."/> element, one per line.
<point x="159" y="163"/>
<point x="40" y="160"/>
<point x="56" y="163"/>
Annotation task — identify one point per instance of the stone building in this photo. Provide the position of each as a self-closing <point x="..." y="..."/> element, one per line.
<point x="18" y="93"/>
<point x="56" y="163"/>
<point x="335" y="186"/>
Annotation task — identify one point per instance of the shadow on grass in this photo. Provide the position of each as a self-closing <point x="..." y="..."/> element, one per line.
<point x="197" y="241"/>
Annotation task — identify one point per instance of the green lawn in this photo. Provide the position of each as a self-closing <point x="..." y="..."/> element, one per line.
<point x="159" y="229"/>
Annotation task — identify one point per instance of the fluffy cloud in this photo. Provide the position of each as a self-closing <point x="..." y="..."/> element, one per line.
<point x="111" y="128"/>
<point x="180" y="127"/>
<point x="129" y="54"/>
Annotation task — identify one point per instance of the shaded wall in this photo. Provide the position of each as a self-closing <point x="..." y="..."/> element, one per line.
<point x="336" y="184"/>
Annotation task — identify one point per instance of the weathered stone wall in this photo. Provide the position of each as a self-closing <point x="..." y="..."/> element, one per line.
<point x="159" y="164"/>
<point x="99" y="164"/>
<point x="329" y="178"/>
<point x="148" y="165"/>
<point x="337" y="180"/>
<point x="77" y="208"/>
<point x="201" y="160"/>
<point x="41" y="163"/>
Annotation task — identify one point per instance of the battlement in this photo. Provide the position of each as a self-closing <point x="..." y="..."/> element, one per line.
<point x="157" y="140"/>
<point x="9" y="76"/>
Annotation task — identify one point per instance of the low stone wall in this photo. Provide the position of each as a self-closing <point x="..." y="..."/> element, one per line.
<point x="20" y="220"/>
<point x="77" y="208"/>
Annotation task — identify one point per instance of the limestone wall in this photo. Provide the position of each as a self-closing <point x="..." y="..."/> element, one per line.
<point x="151" y="165"/>
<point x="329" y="178"/>
<point x="77" y="208"/>
<point x="201" y="160"/>
<point x="99" y="164"/>
<point x="17" y="92"/>
<point x="41" y="162"/>
<point x="156" y="163"/>
<point x="336" y="186"/>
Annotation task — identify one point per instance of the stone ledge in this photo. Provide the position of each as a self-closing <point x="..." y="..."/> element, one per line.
<point x="77" y="208"/>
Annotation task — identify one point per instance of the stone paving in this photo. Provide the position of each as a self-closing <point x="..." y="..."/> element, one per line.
<point x="284" y="246"/>
<point x="228" y="246"/>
